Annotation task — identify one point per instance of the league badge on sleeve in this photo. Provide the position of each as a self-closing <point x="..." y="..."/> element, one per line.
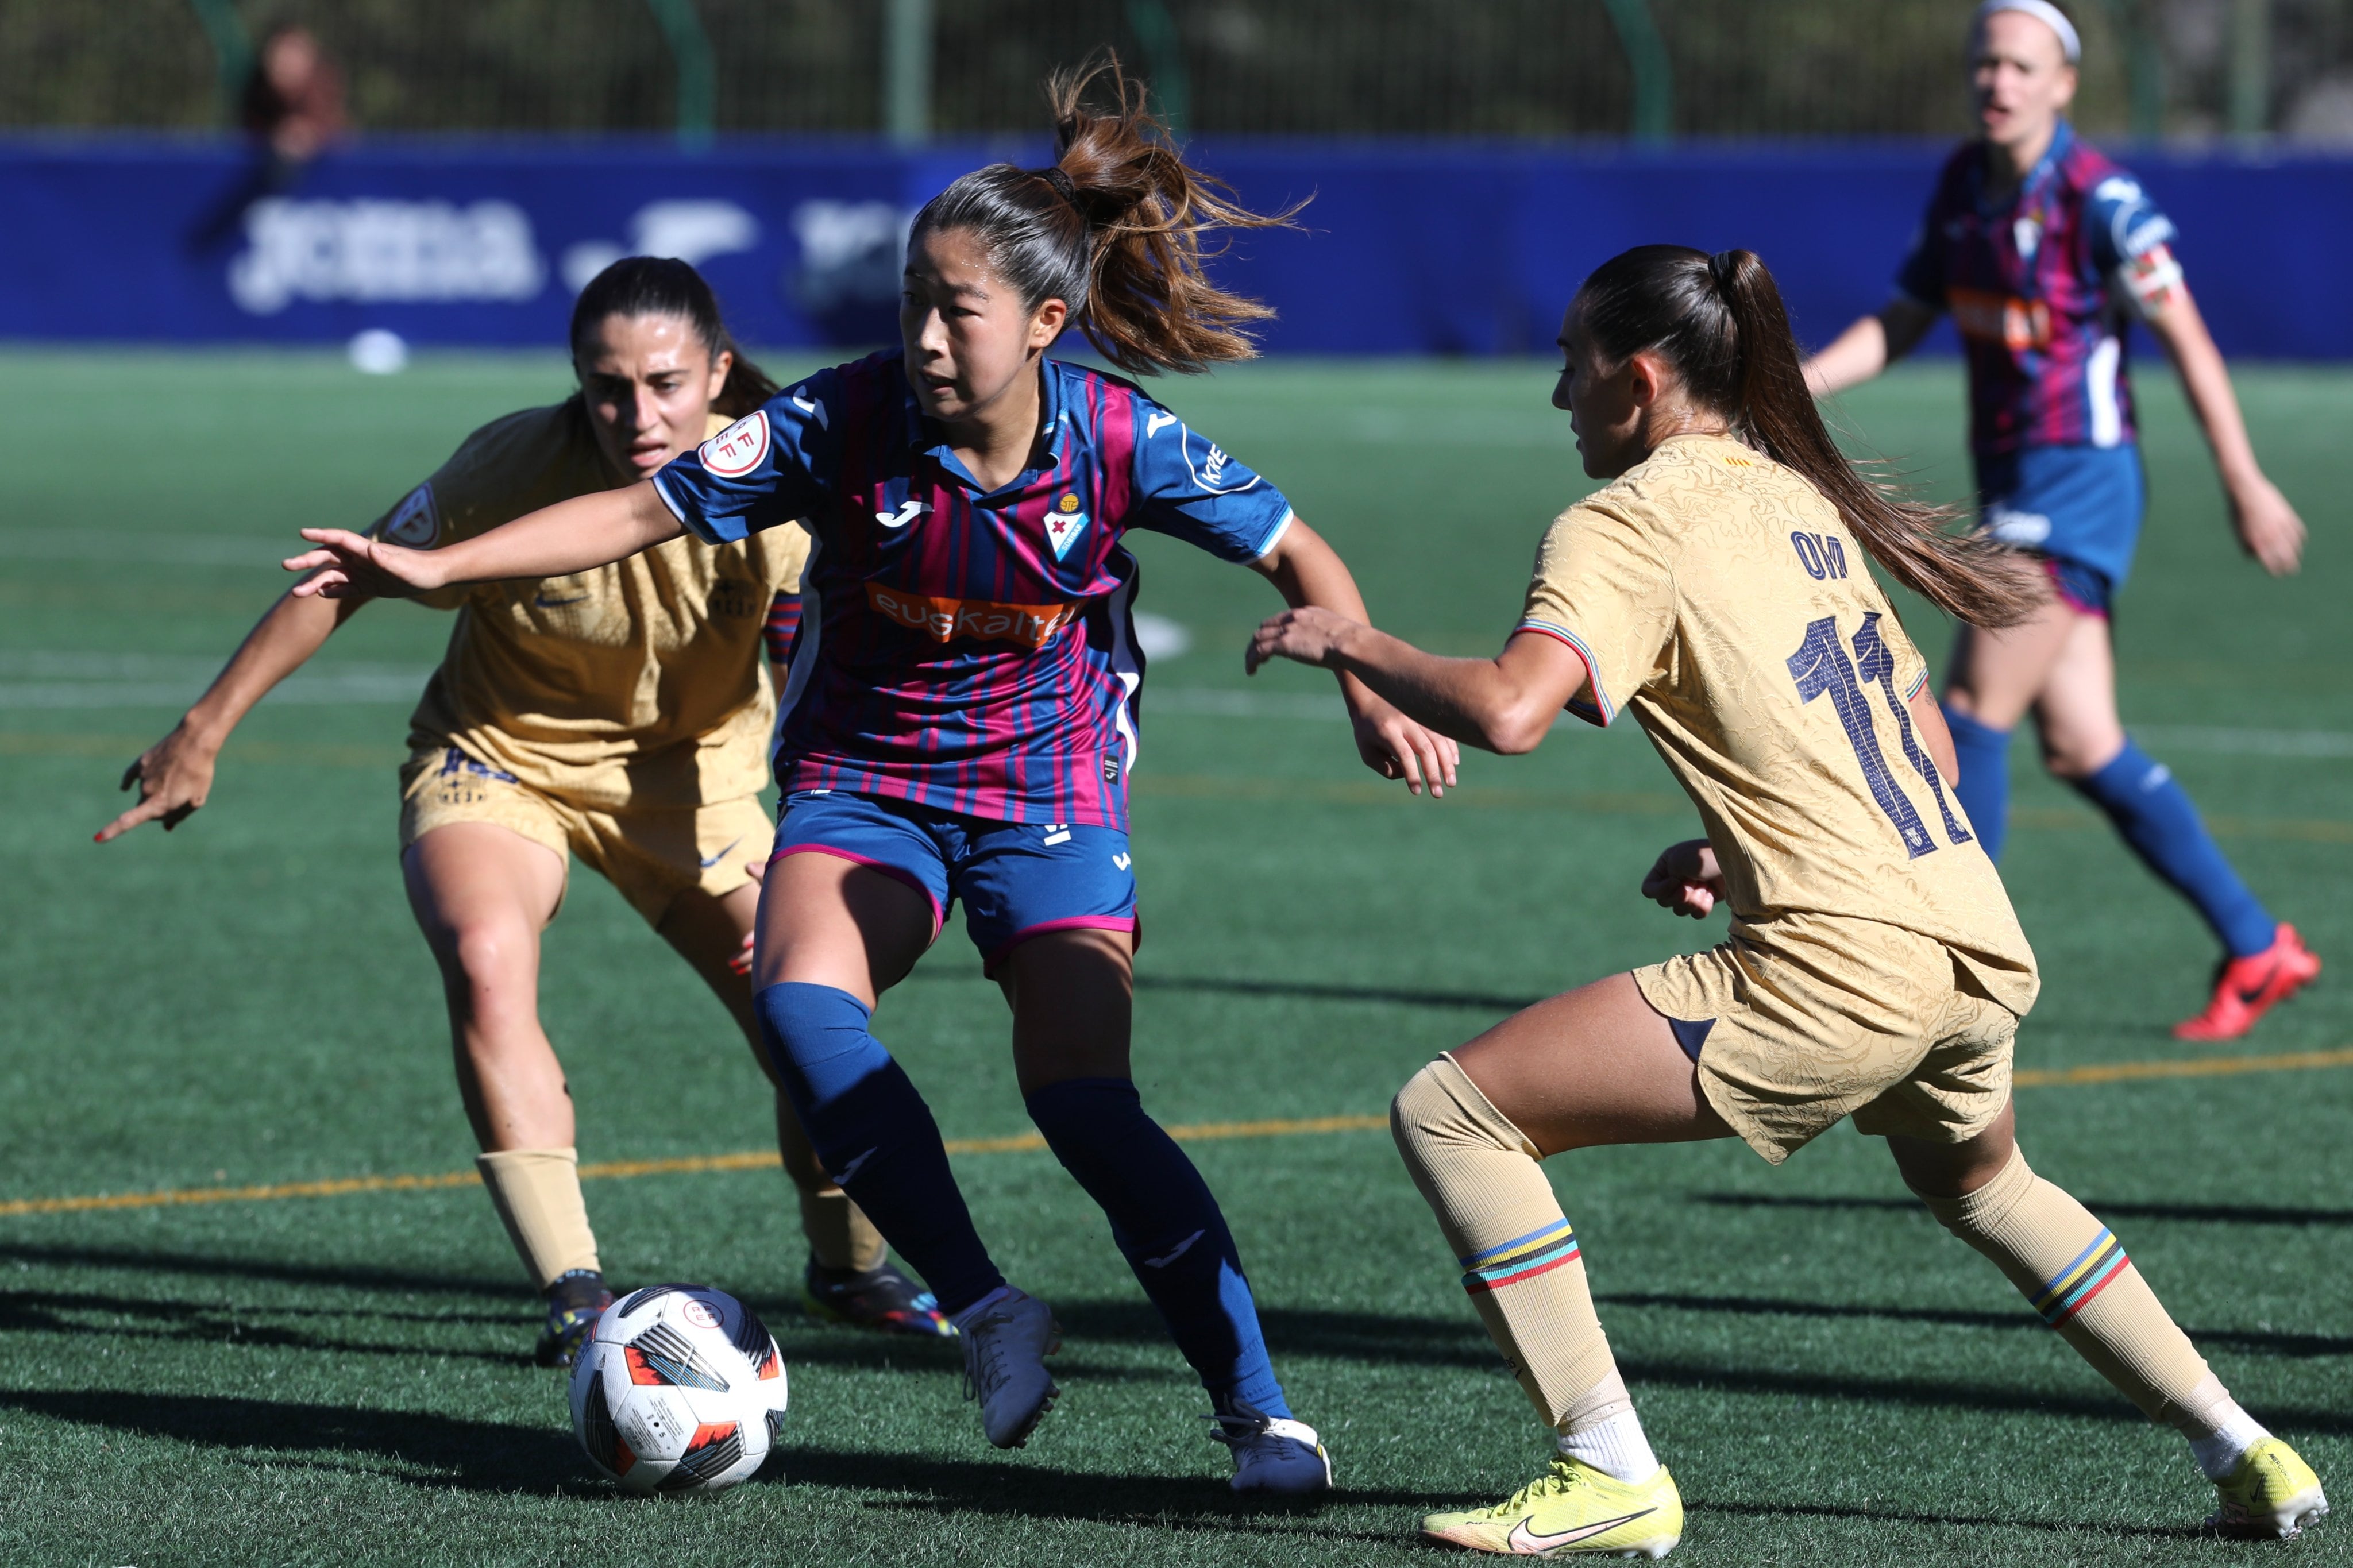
<point x="414" y="524"/>
<point x="1065" y="523"/>
<point x="738" y="449"/>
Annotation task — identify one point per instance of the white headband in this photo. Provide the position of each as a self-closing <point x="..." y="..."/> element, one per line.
<point x="2042" y="11"/>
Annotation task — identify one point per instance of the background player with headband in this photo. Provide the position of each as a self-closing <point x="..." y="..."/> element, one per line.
<point x="2044" y="251"/>
<point x="960" y="719"/>
<point x="1717" y="593"/>
<point x="538" y="739"/>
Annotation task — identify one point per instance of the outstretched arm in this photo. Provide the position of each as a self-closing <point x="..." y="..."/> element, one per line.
<point x="570" y="536"/>
<point x="1504" y="704"/>
<point x="1307" y="571"/>
<point x="1869" y="347"/>
<point x="2267" y="526"/>
<point x="175" y="775"/>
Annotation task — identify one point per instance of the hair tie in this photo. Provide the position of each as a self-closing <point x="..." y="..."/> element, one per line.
<point x="1064" y="187"/>
<point x="1720" y="267"/>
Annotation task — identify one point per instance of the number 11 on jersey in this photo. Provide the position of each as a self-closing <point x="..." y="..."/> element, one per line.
<point x="1821" y="668"/>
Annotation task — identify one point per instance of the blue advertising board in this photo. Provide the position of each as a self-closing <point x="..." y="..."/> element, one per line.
<point x="1405" y="247"/>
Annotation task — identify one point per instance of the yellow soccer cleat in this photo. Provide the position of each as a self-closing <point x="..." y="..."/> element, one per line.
<point x="1573" y="1507"/>
<point x="2272" y="1495"/>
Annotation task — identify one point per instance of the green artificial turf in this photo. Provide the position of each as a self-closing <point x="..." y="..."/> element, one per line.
<point x="346" y="1379"/>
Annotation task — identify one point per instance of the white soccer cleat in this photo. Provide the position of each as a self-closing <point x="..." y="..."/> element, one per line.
<point x="1273" y="1453"/>
<point x="1005" y="1349"/>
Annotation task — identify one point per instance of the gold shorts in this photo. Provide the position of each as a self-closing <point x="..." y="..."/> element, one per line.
<point x="1814" y="1017"/>
<point x="651" y="857"/>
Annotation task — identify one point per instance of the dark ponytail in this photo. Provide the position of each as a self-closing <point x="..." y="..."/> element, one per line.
<point x="1720" y="322"/>
<point x="1113" y="229"/>
<point x="664" y="285"/>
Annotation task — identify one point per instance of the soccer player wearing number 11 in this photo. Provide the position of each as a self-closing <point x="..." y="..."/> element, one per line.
<point x="1717" y="592"/>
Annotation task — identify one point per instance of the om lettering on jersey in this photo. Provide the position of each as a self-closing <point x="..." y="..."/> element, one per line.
<point x="2040" y="285"/>
<point x="968" y="649"/>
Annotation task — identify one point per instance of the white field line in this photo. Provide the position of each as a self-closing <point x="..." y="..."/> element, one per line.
<point x="86" y="681"/>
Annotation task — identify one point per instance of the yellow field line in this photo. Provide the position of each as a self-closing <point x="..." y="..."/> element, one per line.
<point x="2194" y="1067"/>
<point x="1021" y="1142"/>
<point x="748" y="1160"/>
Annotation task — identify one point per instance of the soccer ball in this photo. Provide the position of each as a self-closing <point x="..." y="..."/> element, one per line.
<point x="680" y="1391"/>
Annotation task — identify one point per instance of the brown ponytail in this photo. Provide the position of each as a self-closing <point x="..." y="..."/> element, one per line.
<point x="1115" y="230"/>
<point x="1720" y="321"/>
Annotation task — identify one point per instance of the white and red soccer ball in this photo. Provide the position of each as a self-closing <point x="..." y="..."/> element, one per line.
<point x="680" y="1391"/>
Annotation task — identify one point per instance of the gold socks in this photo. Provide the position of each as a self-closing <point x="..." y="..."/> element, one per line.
<point x="537" y="1192"/>
<point x="2072" y="1269"/>
<point x="1519" y="1257"/>
<point x="840" y="1235"/>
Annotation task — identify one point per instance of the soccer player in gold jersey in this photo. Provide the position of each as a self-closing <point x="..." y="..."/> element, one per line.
<point x="621" y="714"/>
<point x="1718" y="590"/>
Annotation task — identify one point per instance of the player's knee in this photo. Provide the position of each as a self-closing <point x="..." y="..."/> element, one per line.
<point x="817" y="1039"/>
<point x="1978" y="1213"/>
<point x="488" y="956"/>
<point x="1433" y="1116"/>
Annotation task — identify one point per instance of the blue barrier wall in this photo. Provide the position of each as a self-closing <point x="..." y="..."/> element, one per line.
<point x="1409" y="248"/>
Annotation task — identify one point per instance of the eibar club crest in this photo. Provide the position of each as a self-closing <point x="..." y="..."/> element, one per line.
<point x="1064" y="524"/>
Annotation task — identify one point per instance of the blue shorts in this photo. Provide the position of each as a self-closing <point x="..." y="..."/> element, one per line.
<point x="2077" y="507"/>
<point x="1018" y="879"/>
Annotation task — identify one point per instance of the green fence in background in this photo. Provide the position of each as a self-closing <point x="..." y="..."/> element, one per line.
<point x="1649" y="69"/>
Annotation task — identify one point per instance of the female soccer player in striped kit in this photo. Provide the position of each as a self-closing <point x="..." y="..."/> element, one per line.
<point x="959" y="722"/>
<point x="2044" y="252"/>
<point x="536" y="742"/>
<point x="1718" y="590"/>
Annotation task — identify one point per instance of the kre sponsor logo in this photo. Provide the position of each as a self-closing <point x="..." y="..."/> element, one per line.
<point x="2004" y="319"/>
<point x="1030" y="625"/>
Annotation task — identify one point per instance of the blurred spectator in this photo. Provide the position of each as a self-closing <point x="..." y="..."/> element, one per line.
<point x="294" y="100"/>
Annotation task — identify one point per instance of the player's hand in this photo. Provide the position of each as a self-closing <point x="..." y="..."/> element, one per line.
<point x="1308" y="634"/>
<point x="347" y="565"/>
<point x="742" y="962"/>
<point x="174" y="776"/>
<point x="1395" y="747"/>
<point x="1685" y="880"/>
<point x="2267" y="526"/>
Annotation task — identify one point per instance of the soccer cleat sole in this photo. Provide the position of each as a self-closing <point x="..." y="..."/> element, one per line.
<point x="2285" y="1524"/>
<point x="816" y="1308"/>
<point x="1651" y="1550"/>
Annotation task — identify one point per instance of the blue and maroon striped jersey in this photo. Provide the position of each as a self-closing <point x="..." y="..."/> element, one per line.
<point x="2040" y="286"/>
<point x="968" y="649"/>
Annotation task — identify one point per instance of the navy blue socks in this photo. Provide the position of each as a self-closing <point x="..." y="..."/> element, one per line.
<point x="1983" y="754"/>
<point x="875" y="1135"/>
<point x="2153" y="812"/>
<point x="1168" y="1227"/>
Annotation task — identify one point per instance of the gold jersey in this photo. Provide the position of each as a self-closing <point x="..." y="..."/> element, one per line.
<point x="637" y="686"/>
<point x="1719" y="597"/>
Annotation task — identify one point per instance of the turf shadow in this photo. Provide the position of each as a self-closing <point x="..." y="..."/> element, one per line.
<point x="2247" y="1341"/>
<point x="1949" y="1521"/>
<point x="1936" y="1394"/>
<point x="1289" y="1330"/>
<point x="1039" y="1492"/>
<point x="51" y="1312"/>
<point x="2218" y="1214"/>
<point x="217" y="1265"/>
<point x="465" y="1455"/>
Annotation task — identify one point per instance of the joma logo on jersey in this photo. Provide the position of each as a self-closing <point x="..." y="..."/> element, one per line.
<point x="2001" y="317"/>
<point x="1030" y="625"/>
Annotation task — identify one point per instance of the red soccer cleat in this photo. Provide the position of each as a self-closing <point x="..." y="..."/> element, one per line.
<point x="2247" y="988"/>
